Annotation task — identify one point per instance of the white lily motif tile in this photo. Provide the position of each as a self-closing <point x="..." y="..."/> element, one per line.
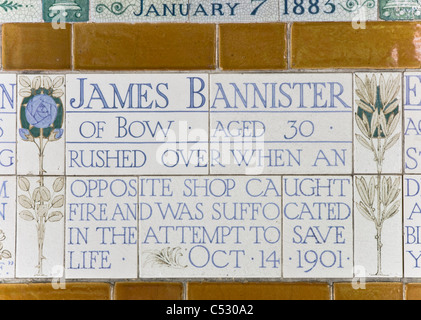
<point x="40" y="124"/>
<point x="7" y="226"/>
<point x="40" y="226"/>
<point x="378" y="225"/>
<point x="137" y="123"/>
<point x="219" y="226"/>
<point x="378" y="119"/>
<point x="317" y="227"/>
<point x="101" y="228"/>
<point x="280" y="123"/>
<point x="8" y="124"/>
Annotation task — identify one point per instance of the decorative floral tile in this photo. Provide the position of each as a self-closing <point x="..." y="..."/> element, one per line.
<point x="140" y="11"/>
<point x="101" y="227"/>
<point x="317" y="227"/>
<point x="219" y="226"/>
<point x="7" y="226"/>
<point x="40" y="124"/>
<point x="378" y="118"/>
<point x="412" y="225"/>
<point x="378" y="225"/>
<point x="40" y="226"/>
<point x="138" y="123"/>
<point x="238" y="11"/>
<point x="8" y="124"/>
<point x="332" y="10"/>
<point x="412" y="121"/>
<point x="65" y="11"/>
<point x="20" y="11"/>
<point x="281" y="123"/>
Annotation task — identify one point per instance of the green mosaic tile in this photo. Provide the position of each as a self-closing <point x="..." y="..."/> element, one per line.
<point x="65" y="10"/>
<point x="400" y="9"/>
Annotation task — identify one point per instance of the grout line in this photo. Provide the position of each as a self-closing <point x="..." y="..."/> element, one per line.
<point x="331" y="291"/>
<point x="138" y="229"/>
<point x="112" y="290"/>
<point x="64" y="227"/>
<point x="185" y="286"/>
<point x="16" y="227"/>
<point x="288" y="44"/>
<point x="217" y="46"/>
<point x="72" y="47"/>
<point x="282" y="228"/>
<point x="402" y="196"/>
<point x="404" y="290"/>
<point x="1" y="46"/>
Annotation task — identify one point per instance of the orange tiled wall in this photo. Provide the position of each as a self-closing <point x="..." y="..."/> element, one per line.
<point x="249" y="47"/>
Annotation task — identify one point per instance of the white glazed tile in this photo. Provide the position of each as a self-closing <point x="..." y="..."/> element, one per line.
<point x="7" y="226"/>
<point x="139" y="11"/>
<point x="375" y="153"/>
<point x="237" y="11"/>
<point x="40" y="154"/>
<point x="40" y="226"/>
<point x="412" y="225"/>
<point x="8" y="124"/>
<point x="281" y="123"/>
<point x="412" y="120"/>
<point x="21" y="11"/>
<point x="101" y="227"/>
<point x="160" y="127"/>
<point x="332" y="10"/>
<point x="317" y="227"/>
<point x="219" y="226"/>
<point x="378" y="232"/>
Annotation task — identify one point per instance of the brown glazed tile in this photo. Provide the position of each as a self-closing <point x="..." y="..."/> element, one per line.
<point x="413" y="291"/>
<point x="257" y="291"/>
<point x="120" y="46"/>
<point x="338" y="45"/>
<point x="36" y="46"/>
<point x="372" y="291"/>
<point x="252" y="46"/>
<point x="45" y="291"/>
<point x="148" y="291"/>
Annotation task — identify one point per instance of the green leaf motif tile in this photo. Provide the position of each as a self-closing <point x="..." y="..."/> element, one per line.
<point x="65" y="10"/>
<point x="400" y="9"/>
<point x="20" y="11"/>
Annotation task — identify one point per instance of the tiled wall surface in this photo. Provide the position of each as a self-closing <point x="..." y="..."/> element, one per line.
<point x="249" y="150"/>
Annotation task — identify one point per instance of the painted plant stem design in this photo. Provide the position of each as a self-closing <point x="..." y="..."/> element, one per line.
<point x="4" y="254"/>
<point x="377" y="118"/>
<point x="10" y="5"/>
<point x="41" y="117"/>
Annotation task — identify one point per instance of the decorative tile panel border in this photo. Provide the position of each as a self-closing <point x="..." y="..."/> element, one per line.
<point x="197" y="11"/>
<point x="197" y="175"/>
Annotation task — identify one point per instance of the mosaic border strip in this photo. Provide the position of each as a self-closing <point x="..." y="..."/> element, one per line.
<point x="197" y="11"/>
